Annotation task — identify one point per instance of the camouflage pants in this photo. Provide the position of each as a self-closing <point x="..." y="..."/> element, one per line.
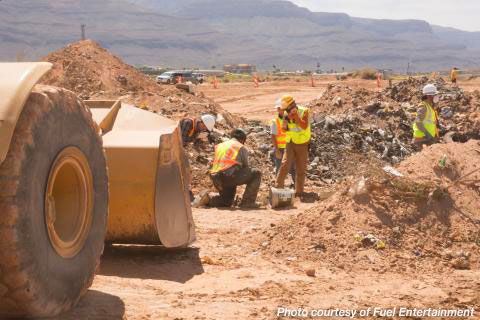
<point x="227" y="182"/>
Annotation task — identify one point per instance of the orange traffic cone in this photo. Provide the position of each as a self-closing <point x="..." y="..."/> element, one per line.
<point x="215" y="82"/>
<point x="255" y="81"/>
<point x="379" y="81"/>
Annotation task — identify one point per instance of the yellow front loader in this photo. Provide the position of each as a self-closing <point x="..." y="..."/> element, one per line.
<point x="74" y="174"/>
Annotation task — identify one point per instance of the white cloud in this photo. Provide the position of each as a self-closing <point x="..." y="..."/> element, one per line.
<point x="461" y="14"/>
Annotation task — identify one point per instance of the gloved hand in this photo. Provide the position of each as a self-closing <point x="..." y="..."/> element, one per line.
<point x="278" y="154"/>
<point x="203" y="136"/>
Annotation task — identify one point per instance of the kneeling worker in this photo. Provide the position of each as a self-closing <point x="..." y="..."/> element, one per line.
<point x="230" y="169"/>
<point x="191" y="128"/>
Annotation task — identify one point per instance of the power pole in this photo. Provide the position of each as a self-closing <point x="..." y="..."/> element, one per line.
<point x="83" y="26"/>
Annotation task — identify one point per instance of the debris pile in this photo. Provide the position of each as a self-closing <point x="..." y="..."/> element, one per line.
<point x="357" y="125"/>
<point x="424" y="214"/>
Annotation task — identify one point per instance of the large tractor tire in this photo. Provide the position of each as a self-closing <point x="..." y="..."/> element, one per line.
<point x="53" y="206"/>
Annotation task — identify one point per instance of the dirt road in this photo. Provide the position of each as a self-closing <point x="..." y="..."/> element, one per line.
<point x="258" y="103"/>
<point x="224" y="276"/>
<point x="244" y="99"/>
<point x="227" y="275"/>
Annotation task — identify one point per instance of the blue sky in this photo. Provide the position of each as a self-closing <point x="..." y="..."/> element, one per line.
<point x="460" y="14"/>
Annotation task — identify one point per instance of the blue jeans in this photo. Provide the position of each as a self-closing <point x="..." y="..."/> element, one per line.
<point x="278" y="164"/>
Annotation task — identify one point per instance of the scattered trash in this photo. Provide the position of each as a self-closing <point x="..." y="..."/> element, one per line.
<point x="359" y="188"/>
<point x="281" y="197"/>
<point x="369" y="240"/>
<point x="392" y="171"/>
<point x="210" y="261"/>
<point x="442" y="162"/>
<point x="461" y="263"/>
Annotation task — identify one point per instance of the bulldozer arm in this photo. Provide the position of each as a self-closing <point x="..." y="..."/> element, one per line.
<point x="149" y="200"/>
<point x="16" y="82"/>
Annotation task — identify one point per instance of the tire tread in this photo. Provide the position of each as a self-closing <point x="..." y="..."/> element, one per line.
<point x="18" y="296"/>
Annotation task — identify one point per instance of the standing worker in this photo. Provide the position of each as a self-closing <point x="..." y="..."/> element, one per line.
<point x="230" y="169"/>
<point x="191" y="128"/>
<point x="279" y="139"/>
<point x="425" y="127"/>
<point x="453" y="77"/>
<point x="297" y="126"/>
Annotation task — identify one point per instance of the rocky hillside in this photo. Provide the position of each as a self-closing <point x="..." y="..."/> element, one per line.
<point x="215" y="32"/>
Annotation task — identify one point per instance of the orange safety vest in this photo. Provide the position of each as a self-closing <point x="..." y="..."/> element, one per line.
<point x="226" y="156"/>
<point x="281" y="136"/>
<point x="192" y="131"/>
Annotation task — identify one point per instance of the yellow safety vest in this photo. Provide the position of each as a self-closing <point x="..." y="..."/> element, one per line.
<point x="430" y="123"/>
<point x="295" y="133"/>
<point x="226" y="155"/>
<point x="281" y="136"/>
<point x="453" y="75"/>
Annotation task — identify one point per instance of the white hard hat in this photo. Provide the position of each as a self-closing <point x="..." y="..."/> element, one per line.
<point x="209" y="121"/>
<point x="278" y="104"/>
<point x="430" y="90"/>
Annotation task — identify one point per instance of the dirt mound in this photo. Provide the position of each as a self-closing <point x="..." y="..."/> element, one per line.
<point x="94" y="73"/>
<point x="429" y="218"/>
<point x="86" y="68"/>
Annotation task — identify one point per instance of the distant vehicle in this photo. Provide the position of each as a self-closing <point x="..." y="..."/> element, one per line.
<point x="200" y="77"/>
<point x="173" y="77"/>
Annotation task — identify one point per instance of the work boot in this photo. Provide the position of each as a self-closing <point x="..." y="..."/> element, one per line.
<point x="250" y="205"/>
<point x="308" y="197"/>
<point x="202" y="200"/>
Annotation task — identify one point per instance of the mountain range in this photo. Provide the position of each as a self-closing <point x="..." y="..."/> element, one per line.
<point x="205" y="33"/>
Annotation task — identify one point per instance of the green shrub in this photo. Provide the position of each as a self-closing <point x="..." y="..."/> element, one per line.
<point x="368" y="74"/>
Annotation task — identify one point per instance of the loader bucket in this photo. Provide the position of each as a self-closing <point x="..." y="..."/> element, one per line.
<point x="149" y="200"/>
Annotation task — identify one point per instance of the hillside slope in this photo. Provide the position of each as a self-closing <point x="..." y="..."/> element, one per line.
<point x="216" y="32"/>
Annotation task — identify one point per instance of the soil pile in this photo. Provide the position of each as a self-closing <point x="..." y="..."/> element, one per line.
<point x="87" y="69"/>
<point x="422" y="215"/>
<point x="94" y="73"/>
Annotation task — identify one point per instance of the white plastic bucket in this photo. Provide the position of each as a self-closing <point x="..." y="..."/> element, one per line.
<point x="281" y="197"/>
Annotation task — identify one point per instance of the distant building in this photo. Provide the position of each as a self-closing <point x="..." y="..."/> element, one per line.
<point x="239" y="68"/>
<point x="211" y="73"/>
